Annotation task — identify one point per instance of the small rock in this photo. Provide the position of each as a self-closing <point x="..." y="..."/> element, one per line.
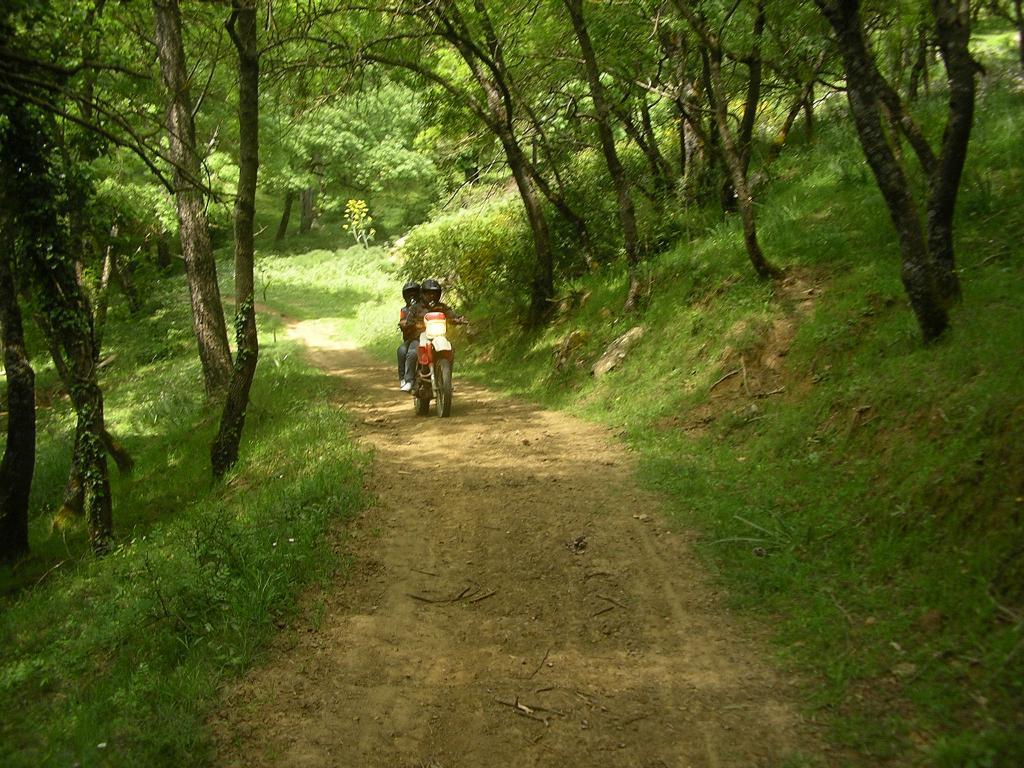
<point x="616" y="351"/>
<point x="905" y="669"/>
<point x="577" y="545"/>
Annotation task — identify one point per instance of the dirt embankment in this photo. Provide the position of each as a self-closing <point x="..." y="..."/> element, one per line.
<point x="516" y="600"/>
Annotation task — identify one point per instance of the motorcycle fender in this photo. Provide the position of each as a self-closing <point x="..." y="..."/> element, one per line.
<point x="425" y="353"/>
<point x="441" y="344"/>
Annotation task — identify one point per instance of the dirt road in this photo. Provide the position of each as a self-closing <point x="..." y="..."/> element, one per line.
<point x="515" y="600"/>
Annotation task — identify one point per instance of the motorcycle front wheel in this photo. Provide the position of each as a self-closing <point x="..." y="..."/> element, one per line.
<point x="422" y="405"/>
<point x="443" y="372"/>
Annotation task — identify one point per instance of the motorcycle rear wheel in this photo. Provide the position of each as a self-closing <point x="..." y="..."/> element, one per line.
<point x="443" y="371"/>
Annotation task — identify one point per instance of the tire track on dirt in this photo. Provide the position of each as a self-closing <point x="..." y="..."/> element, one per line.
<point x="507" y="607"/>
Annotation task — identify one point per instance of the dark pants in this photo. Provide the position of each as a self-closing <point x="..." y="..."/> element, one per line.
<point x="403" y="352"/>
<point x="411" y="351"/>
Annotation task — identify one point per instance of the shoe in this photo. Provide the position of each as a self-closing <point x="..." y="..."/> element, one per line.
<point x="406" y="386"/>
<point x="401" y="383"/>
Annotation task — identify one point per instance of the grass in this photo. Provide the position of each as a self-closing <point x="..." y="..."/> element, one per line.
<point x="871" y="509"/>
<point x="117" y="661"/>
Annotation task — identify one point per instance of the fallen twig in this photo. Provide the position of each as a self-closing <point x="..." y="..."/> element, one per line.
<point x="478" y="598"/>
<point x="522" y="709"/>
<point x="613" y="600"/>
<point x="532" y="674"/>
<point x="603" y="610"/>
<point x="597" y="573"/>
<point x="842" y="610"/>
<point x="49" y="571"/>
<point x="737" y="538"/>
<point x="773" y="534"/>
<point x="425" y="573"/>
<point x="729" y="375"/>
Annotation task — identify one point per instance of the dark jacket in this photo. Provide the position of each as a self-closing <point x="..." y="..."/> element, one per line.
<point x="414" y="319"/>
<point x="409" y="331"/>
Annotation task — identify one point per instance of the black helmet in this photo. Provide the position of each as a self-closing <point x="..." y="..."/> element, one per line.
<point x="431" y="290"/>
<point x="411" y="291"/>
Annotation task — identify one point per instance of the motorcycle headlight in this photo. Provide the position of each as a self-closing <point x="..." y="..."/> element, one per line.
<point x="437" y="323"/>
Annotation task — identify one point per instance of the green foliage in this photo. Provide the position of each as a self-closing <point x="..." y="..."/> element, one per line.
<point x="363" y="145"/>
<point x="128" y="651"/>
<point x="473" y="251"/>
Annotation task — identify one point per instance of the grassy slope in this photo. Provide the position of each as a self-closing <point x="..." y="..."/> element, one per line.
<point x="127" y="652"/>
<point x="872" y="511"/>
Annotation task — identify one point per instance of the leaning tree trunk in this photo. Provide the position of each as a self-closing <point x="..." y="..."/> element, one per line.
<point x="200" y="267"/>
<point x="542" y="286"/>
<point x="242" y="28"/>
<point x="626" y="210"/>
<point x="103" y="291"/>
<point x="20" y="451"/>
<point x="733" y="157"/>
<point x="282" y="228"/>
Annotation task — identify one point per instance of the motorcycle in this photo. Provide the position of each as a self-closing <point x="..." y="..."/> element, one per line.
<point x="434" y="367"/>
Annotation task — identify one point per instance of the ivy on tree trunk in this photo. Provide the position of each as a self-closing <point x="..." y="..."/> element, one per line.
<point x="241" y="27"/>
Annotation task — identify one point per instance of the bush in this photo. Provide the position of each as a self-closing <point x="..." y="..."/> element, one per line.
<point x="473" y="251"/>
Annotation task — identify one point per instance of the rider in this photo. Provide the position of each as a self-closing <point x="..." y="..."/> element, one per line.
<point x="411" y="294"/>
<point x="430" y="301"/>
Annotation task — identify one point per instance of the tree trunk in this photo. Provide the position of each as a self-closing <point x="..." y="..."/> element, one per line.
<point x="307" y="198"/>
<point x="953" y="31"/>
<point x="733" y="158"/>
<point x="555" y="194"/>
<point x="542" y="286"/>
<point x="282" y="228"/>
<point x="488" y="69"/>
<point x="780" y="139"/>
<point x="695" y="153"/>
<point x="626" y="210"/>
<point x="809" y="115"/>
<point x="242" y="28"/>
<point x="103" y="291"/>
<point x="660" y="166"/>
<point x="753" y="97"/>
<point x="19" y="457"/>
<point x="163" y="252"/>
<point x="123" y="273"/>
<point x="200" y="267"/>
<point x="920" y="63"/>
<point x="1018" y="15"/>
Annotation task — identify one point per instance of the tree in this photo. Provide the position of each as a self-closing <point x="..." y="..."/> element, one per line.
<point x="18" y="462"/>
<point x="602" y="114"/>
<point x="241" y="25"/>
<point x="735" y="147"/>
<point x="928" y="265"/>
<point x="200" y="267"/>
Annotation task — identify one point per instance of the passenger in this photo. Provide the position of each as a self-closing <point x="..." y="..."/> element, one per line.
<point x="411" y="294"/>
